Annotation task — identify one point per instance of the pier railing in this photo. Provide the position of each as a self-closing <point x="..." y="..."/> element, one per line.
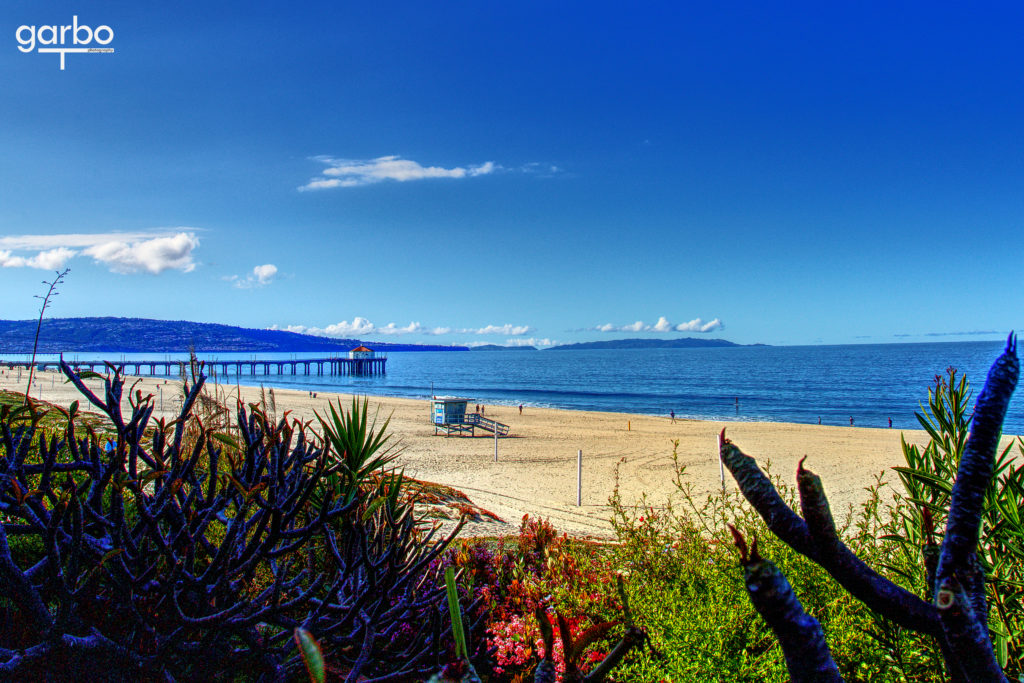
<point x="309" y="366"/>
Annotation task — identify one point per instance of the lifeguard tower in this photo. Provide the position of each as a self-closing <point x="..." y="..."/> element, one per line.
<point x="449" y="416"/>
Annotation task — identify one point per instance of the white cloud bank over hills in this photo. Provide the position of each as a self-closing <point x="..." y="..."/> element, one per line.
<point x="360" y="327"/>
<point x="663" y="325"/>
<point x="151" y="252"/>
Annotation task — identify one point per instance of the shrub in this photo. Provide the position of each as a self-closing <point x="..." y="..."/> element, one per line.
<point x="207" y="558"/>
<point x="534" y="581"/>
<point x="954" y="610"/>
<point x="683" y="588"/>
<point x="915" y="533"/>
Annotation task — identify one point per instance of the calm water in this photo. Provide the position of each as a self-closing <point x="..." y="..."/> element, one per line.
<point x="785" y="383"/>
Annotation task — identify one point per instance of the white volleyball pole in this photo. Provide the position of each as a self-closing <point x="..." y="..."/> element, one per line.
<point x="579" y="478"/>
<point x="721" y="465"/>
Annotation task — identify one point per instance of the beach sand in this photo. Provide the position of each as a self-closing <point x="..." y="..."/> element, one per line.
<point x="536" y="469"/>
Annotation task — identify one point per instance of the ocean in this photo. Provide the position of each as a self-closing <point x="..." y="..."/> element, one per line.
<point x="868" y="382"/>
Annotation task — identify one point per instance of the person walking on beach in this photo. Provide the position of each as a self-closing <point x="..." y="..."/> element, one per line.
<point x="890" y="423"/>
<point x="520" y="408"/>
<point x="851" y="420"/>
<point x="819" y="419"/>
<point x="672" y="414"/>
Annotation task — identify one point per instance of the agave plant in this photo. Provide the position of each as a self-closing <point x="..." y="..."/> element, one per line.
<point x="359" y="447"/>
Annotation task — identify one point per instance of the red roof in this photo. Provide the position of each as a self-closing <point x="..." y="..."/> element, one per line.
<point x="361" y="348"/>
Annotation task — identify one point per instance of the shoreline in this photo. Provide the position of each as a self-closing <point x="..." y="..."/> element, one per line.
<point x="536" y="469"/>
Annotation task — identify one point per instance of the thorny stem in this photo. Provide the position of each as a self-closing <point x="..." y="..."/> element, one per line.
<point x="51" y="292"/>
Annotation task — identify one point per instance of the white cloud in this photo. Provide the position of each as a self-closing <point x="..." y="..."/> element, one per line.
<point x="532" y="341"/>
<point x="499" y="329"/>
<point x="80" y="240"/>
<point x="357" y="172"/>
<point x="265" y="273"/>
<point x="392" y="328"/>
<point x="515" y="342"/>
<point x="362" y="327"/>
<point x="345" y="328"/>
<point x="663" y="325"/>
<point x="358" y="326"/>
<point x="541" y="169"/>
<point x="153" y="251"/>
<point x="51" y="259"/>
<point x="260" y="276"/>
<point x="698" y="325"/>
<point x="153" y="255"/>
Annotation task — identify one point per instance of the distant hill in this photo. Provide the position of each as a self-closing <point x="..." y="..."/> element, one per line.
<point x="499" y="347"/>
<point x="682" y="343"/>
<point x="141" y="335"/>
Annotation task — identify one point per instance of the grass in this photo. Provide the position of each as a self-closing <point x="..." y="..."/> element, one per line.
<point x="53" y="418"/>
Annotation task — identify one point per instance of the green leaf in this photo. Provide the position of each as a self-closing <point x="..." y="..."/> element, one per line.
<point x="86" y="374"/>
<point x="227" y="440"/>
<point x="934" y="482"/>
<point x="456" y="613"/>
<point x="373" y="507"/>
<point x="311" y="655"/>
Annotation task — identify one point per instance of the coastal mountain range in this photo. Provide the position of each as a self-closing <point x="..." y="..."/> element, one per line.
<point x="141" y="335"/>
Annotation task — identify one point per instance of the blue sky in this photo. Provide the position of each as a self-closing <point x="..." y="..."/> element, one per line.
<point x="513" y="173"/>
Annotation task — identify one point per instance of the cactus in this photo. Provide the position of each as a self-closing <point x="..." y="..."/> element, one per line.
<point x="957" y="614"/>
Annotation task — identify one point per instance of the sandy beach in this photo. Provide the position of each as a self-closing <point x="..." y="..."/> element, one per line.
<point x="537" y="463"/>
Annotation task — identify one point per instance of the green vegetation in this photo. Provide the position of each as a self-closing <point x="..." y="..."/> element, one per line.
<point x="190" y="554"/>
<point x="916" y="528"/>
<point x="684" y="585"/>
<point x="333" y="572"/>
<point x="954" y="611"/>
<point x="687" y="591"/>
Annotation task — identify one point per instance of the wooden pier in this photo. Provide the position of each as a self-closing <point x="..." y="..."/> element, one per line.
<point x="334" y="365"/>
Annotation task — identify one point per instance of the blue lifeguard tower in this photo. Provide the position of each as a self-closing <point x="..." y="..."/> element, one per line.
<point x="449" y="416"/>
